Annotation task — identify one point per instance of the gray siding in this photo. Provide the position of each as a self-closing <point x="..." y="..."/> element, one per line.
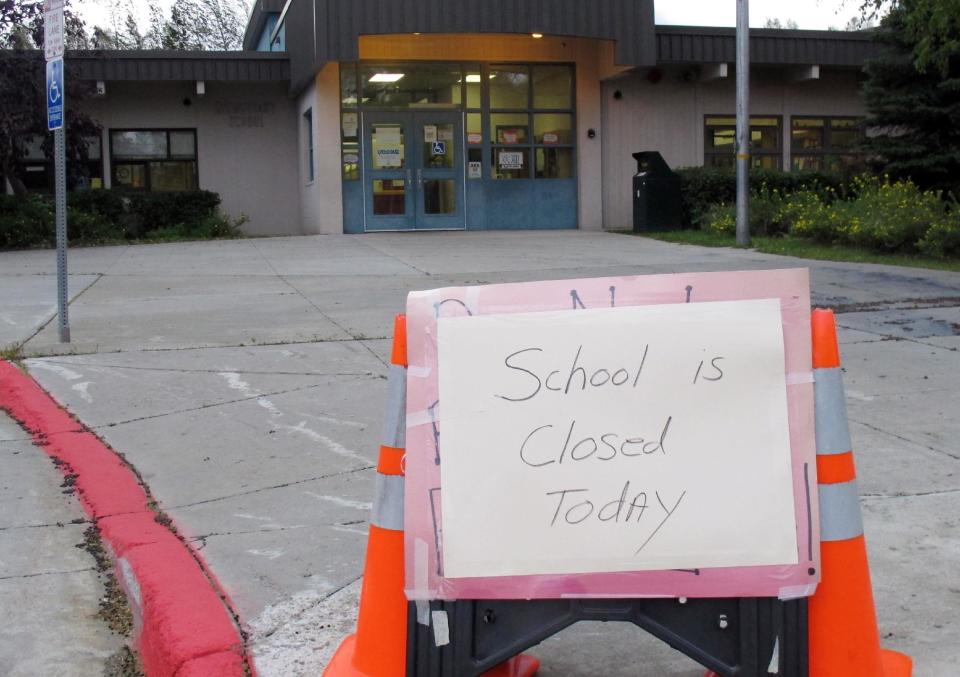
<point x="339" y="24"/>
<point x="167" y="65"/>
<point x="686" y="44"/>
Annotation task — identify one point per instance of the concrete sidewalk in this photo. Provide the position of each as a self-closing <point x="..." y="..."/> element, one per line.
<point x="50" y="590"/>
<point x="245" y="380"/>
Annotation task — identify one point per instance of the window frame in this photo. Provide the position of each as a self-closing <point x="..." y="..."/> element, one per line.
<point x="709" y="153"/>
<point x="309" y="146"/>
<point x="488" y="146"/>
<point x="47" y="164"/>
<point x="116" y="162"/>
<point x="827" y="149"/>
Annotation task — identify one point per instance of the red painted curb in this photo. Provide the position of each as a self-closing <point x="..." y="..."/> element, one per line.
<point x="182" y="627"/>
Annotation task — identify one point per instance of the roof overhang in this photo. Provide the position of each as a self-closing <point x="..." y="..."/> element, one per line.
<point x="697" y="44"/>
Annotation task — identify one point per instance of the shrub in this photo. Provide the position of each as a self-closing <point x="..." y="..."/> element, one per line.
<point x="942" y="239"/>
<point x="186" y="210"/>
<point x="97" y="202"/>
<point x="25" y="221"/>
<point x="702" y="187"/>
<point x="99" y="216"/>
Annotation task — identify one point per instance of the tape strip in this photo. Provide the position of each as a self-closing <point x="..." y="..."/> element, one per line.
<point x="421" y="564"/>
<point x="395" y="423"/>
<point x="426" y="417"/>
<point x="774" y="667"/>
<point x="840" y="517"/>
<point x="441" y="628"/>
<point x="388" y="502"/>
<point x="789" y="592"/>
<point x="418" y="372"/>
<point x="798" y="377"/>
<point x="423" y="612"/>
<point x="830" y="406"/>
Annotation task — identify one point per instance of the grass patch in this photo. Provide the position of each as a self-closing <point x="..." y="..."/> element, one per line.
<point x="802" y="249"/>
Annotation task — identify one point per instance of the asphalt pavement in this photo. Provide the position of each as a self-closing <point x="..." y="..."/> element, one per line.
<point x="245" y="380"/>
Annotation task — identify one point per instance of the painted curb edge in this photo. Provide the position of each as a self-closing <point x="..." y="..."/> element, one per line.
<point x="183" y="621"/>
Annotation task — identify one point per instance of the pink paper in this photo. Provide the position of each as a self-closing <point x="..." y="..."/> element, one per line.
<point x="424" y="452"/>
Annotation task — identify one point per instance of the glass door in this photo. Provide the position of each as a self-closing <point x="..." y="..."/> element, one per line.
<point x="439" y="170"/>
<point x="388" y="179"/>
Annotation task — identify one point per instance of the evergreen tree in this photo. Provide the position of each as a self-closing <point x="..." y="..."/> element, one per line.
<point x="913" y="96"/>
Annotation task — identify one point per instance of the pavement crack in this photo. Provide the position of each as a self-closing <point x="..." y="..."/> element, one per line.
<point x="204" y="537"/>
<point x="320" y="310"/>
<point x="303" y="611"/>
<point x="272" y="487"/>
<point x="175" y="370"/>
<point x="396" y="258"/>
<point x="955" y="457"/>
<point x="913" y="494"/>
<point x="47" y="573"/>
<point x="891" y="337"/>
<point x="204" y="406"/>
<point x="69" y="303"/>
<point x="59" y="525"/>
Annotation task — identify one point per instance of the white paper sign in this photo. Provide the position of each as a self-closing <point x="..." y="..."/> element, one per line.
<point x="429" y="133"/>
<point x="349" y="125"/>
<point x="510" y="160"/>
<point x="386" y="134"/>
<point x="617" y="439"/>
<point x="474" y="170"/>
<point x="387" y="155"/>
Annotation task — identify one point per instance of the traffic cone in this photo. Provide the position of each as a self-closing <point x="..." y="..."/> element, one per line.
<point x="843" y="634"/>
<point x="379" y="647"/>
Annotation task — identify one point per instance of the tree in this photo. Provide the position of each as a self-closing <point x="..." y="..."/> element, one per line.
<point x="23" y="116"/>
<point x="931" y="28"/>
<point x="789" y="24"/>
<point x="912" y="93"/>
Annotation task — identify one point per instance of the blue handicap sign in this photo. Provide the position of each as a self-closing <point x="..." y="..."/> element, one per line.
<point x="439" y="147"/>
<point x="54" y="94"/>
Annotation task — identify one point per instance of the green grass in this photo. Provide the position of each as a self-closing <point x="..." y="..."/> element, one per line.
<point x="803" y="249"/>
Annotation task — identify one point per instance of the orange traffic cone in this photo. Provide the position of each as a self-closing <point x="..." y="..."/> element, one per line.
<point x="379" y="647"/>
<point x="843" y="634"/>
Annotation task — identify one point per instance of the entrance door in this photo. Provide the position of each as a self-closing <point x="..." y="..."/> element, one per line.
<point x="414" y="171"/>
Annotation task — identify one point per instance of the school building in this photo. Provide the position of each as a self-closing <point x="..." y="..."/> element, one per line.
<point x="370" y="115"/>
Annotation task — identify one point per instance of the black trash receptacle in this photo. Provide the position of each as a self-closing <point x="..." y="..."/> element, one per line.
<point x="656" y="194"/>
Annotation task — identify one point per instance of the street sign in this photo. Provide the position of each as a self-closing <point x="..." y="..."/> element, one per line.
<point x="55" y="94"/>
<point x="53" y="29"/>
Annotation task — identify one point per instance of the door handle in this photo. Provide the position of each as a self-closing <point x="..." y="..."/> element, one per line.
<point x="419" y="178"/>
<point x="410" y="177"/>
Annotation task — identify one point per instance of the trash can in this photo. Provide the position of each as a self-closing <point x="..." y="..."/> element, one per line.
<point x="656" y="194"/>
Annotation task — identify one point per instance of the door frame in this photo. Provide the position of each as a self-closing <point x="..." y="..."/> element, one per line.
<point x="414" y="118"/>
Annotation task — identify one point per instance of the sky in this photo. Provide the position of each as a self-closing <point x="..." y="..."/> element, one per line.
<point x="809" y="14"/>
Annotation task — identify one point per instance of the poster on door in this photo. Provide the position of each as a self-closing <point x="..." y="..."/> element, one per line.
<point x="509" y="160"/>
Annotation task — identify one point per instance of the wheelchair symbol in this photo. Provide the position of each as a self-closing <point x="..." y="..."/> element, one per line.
<point x="439" y="147"/>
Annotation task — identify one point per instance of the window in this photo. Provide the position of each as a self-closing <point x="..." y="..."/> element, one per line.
<point x="35" y="168"/>
<point x="825" y="144"/>
<point x="308" y="137"/>
<point x="531" y="122"/>
<point x="519" y="119"/>
<point x="154" y="159"/>
<point x="719" y="139"/>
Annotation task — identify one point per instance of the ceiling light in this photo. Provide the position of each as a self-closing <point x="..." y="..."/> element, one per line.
<point x="536" y="36"/>
<point x="473" y="77"/>
<point x="386" y="77"/>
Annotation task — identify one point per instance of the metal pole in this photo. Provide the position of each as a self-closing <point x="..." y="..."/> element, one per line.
<point x="60" y="172"/>
<point x="743" y="122"/>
